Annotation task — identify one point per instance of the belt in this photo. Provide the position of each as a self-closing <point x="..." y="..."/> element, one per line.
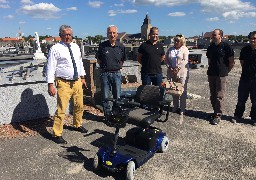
<point x="68" y="80"/>
<point x="151" y="74"/>
<point x="110" y="71"/>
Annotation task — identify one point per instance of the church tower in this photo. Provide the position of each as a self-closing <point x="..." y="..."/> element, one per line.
<point x="145" y="28"/>
<point x="19" y="35"/>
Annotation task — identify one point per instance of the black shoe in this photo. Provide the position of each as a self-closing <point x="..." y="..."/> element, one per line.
<point x="59" y="140"/>
<point x="210" y="116"/>
<point x="254" y="122"/>
<point x="177" y="111"/>
<point x="215" y="121"/>
<point x="235" y="119"/>
<point x="81" y="129"/>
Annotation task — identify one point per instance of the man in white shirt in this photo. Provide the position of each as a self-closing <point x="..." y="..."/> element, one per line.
<point x="65" y="70"/>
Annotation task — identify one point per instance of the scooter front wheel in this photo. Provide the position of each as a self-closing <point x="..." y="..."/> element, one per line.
<point x="130" y="170"/>
<point x="96" y="162"/>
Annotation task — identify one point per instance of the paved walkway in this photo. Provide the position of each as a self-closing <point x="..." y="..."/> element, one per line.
<point x="197" y="149"/>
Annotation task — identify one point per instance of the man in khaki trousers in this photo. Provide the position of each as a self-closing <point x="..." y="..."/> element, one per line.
<point x="65" y="69"/>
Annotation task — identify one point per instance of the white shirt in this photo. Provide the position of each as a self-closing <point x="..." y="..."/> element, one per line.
<point x="60" y="62"/>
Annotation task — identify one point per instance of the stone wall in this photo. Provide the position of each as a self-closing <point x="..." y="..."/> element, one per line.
<point x="130" y="73"/>
<point x="24" y="95"/>
<point x="26" y="101"/>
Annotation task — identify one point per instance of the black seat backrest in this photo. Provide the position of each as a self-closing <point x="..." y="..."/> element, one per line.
<point x="149" y="95"/>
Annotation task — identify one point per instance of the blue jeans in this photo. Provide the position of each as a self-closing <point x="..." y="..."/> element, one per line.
<point x="155" y="79"/>
<point x="110" y="85"/>
<point x="246" y="88"/>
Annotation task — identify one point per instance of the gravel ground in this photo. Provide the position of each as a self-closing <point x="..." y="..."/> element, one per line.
<point x="197" y="149"/>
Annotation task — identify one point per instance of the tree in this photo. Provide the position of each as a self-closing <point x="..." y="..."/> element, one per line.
<point x="28" y="37"/>
<point x="98" y="38"/>
<point x="232" y="38"/>
<point x="89" y="39"/>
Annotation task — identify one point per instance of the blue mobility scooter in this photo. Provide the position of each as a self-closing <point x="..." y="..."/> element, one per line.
<point x="142" y="141"/>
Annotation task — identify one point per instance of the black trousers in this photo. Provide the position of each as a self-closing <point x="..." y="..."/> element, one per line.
<point x="246" y="88"/>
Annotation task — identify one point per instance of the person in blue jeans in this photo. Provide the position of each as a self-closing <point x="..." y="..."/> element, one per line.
<point x="150" y="55"/>
<point x="110" y="56"/>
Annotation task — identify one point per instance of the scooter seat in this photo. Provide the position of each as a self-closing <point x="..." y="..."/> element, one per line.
<point x="143" y="117"/>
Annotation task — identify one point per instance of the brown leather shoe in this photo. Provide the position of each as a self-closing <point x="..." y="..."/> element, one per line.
<point x="59" y="140"/>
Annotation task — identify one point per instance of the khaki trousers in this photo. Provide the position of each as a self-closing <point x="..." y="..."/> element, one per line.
<point x="217" y="87"/>
<point x="65" y="90"/>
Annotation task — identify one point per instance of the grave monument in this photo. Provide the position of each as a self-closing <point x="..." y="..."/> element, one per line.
<point x="38" y="55"/>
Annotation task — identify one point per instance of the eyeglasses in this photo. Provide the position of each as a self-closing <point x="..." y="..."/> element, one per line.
<point x="179" y="35"/>
<point x="67" y="35"/>
<point x="176" y="40"/>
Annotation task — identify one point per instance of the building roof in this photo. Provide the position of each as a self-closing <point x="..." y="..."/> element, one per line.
<point x="12" y="39"/>
<point x="50" y="39"/>
<point x="57" y="38"/>
<point x="121" y="35"/>
<point x="131" y="36"/>
<point x="207" y="35"/>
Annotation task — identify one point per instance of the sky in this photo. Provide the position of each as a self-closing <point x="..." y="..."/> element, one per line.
<point x="91" y="18"/>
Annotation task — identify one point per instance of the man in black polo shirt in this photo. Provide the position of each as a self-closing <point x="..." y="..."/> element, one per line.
<point x="150" y="55"/>
<point x="110" y="56"/>
<point x="220" y="60"/>
<point x="247" y="83"/>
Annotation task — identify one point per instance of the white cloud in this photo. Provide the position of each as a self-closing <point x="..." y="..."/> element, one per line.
<point x="41" y="10"/>
<point x="163" y="2"/>
<point x="4" y="6"/>
<point x="177" y="14"/>
<point x="115" y="12"/>
<point x="95" y="4"/>
<point x="119" y="5"/>
<point x="112" y="13"/>
<point x="26" y="2"/>
<point x="9" y="17"/>
<point x="49" y="28"/>
<point x="225" y="5"/>
<point x="252" y="24"/>
<point x="213" y="19"/>
<point x="228" y="9"/>
<point x="238" y="14"/>
<point x="72" y="9"/>
<point x="22" y="22"/>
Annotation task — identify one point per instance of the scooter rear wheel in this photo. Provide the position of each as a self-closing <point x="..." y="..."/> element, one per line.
<point x="130" y="170"/>
<point x="164" y="144"/>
